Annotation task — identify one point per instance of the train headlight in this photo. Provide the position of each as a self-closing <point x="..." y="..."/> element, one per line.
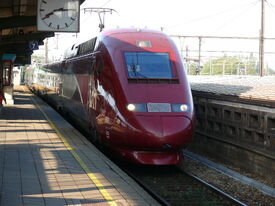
<point x="180" y="107"/>
<point x="137" y="107"/>
<point x="131" y="107"/>
<point x="183" y="107"/>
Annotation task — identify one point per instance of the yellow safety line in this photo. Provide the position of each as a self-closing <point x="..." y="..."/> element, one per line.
<point x="98" y="184"/>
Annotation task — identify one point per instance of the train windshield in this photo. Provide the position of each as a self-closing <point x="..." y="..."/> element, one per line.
<point x="148" y="65"/>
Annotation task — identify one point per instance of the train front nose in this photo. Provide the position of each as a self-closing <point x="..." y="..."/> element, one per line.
<point x="177" y="131"/>
<point x="156" y="139"/>
<point x="161" y="132"/>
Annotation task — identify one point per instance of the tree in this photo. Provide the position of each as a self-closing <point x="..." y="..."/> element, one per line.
<point x="230" y="65"/>
<point x="270" y="71"/>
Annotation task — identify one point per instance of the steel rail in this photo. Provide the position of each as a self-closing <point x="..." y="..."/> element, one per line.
<point x="233" y="174"/>
<point x="215" y="189"/>
<point x="158" y="198"/>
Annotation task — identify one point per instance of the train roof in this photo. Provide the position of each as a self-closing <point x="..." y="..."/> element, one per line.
<point x="89" y="46"/>
<point x="129" y="30"/>
<point x="80" y="49"/>
<point x="130" y="39"/>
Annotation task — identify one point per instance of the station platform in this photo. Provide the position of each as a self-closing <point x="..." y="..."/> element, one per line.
<point x="45" y="161"/>
<point x="245" y="89"/>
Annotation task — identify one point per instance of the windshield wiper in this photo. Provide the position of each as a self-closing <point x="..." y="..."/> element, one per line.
<point x="137" y="73"/>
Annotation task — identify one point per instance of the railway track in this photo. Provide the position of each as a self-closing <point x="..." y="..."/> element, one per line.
<point x="171" y="186"/>
<point x="185" y="192"/>
<point x="244" y="188"/>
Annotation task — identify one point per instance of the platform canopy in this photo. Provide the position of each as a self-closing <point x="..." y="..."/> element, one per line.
<point x="18" y="31"/>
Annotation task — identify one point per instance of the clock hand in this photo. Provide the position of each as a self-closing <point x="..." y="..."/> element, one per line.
<point x="55" y="10"/>
<point x="48" y="15"/>
<point x="62" y="9"/>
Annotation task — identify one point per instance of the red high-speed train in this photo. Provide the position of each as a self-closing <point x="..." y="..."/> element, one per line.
<point x="128" y="88"/>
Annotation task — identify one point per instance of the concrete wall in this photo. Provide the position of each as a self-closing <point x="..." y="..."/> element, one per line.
<point x="239" y="134"/>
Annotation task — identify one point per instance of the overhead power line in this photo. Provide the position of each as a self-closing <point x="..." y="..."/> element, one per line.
<point x="221" y="37"/>
<point x="215" y="14"/>
<point x="228" y="51"/>
<point x="101" y="14"/>
<point x="106" y="3"/>
<point x="237" y="16"/>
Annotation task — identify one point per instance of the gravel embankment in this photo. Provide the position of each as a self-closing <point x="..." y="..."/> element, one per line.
<point x="240" y="191"/>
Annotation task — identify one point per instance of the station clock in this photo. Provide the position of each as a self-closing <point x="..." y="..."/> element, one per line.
<point x="58" y="15"/>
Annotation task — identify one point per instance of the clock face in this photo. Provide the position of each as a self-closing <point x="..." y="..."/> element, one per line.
<point x="61" y="15"/>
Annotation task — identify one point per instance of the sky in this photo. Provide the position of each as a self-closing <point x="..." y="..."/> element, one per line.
<point x="182" y="17"/>
<point x="195" y="17"/>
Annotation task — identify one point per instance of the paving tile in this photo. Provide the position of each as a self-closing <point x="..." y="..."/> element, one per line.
<point x="55" y="201"/>
<point x="41" y="170"/>
<point x="11" y="198"/>
<point x="38" y="201"/>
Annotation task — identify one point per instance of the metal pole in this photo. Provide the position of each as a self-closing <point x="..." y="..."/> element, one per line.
<point x="210" y="66"/>
<point x="261" y="43"/>
<point x="199" y="55"/>
<point x="187" y="60"/>
<point x="223" y="67"/>
<point x="57" y="35"/>
<point x="46" y="51"/>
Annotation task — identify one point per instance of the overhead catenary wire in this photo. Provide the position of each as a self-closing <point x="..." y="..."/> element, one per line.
<point x="212" y="15"/>
<point x="229" y="51"/>
<point x="101" y="14"/>
<point x="271" y="6"/>
<point x="241" y="13"/>
<point x="88" y="17"/>
<point x="105" y="3"/>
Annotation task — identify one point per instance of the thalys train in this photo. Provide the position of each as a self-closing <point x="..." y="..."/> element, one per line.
<point x="128" y="89"/>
